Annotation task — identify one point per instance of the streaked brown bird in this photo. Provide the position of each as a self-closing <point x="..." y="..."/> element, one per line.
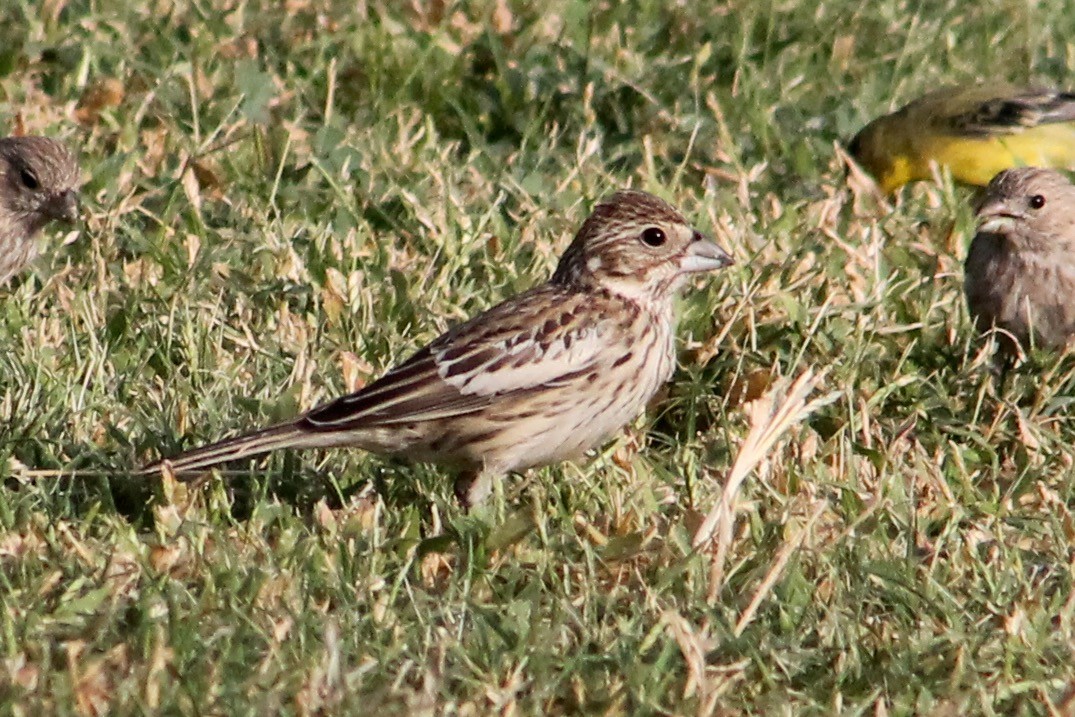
<point x="975" y="131"/>
<point x="38" y="184"/>
<point x="540" y="378"/>
<point x="1020" y="269"/>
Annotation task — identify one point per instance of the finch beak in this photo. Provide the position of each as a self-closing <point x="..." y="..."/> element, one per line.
<point x="64" y="206"/>
<point x="703" y="255"/>
<point x="996" y="219"/>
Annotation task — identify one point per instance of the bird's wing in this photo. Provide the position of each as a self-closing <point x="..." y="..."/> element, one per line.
<point x="535" y="341"/>
<point x="1020" y="109"/>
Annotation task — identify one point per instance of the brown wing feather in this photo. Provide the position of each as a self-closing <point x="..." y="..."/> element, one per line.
<point x="526" y="344"/>
<point x="413" y="391"/>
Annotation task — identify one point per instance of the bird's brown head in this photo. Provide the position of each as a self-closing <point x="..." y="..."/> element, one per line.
<point x="1032" y="209"/>
<point x="39" y="180"/>
<point x="637" y="245"/>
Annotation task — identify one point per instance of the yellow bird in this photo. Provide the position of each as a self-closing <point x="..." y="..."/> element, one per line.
<point x="975" y="131"/>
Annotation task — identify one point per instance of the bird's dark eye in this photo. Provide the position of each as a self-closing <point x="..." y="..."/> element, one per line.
<point x="1037" y="201"/>
<point x="653" y="237"/>
<point x="28" y="179"/>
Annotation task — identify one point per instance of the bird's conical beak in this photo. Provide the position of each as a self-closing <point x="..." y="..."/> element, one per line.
<point x="703" y="255"/>
<point x="995" y="218"/>
<point x="64" y="206"/>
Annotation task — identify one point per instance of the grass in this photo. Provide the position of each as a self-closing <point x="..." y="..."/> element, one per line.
<point x="283" y="201"/>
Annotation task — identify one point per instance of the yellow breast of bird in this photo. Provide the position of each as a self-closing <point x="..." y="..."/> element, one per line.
<point x="977" y="159"/>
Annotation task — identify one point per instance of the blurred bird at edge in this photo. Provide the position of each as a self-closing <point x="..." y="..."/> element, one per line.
<point x="975" y="131"/>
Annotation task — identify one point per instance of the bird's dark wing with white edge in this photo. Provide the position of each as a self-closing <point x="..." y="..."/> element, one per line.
<point x="1029" y="108"/>
<point x="526" y="344"/>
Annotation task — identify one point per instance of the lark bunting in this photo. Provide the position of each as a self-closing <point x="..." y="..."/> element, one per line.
<point x="540" y="378"/>
<point x="38" y="183"/>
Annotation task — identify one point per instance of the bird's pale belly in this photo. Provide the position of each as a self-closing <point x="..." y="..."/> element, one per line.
<point x="598" y="412"/>
<point x="571" y="436"/>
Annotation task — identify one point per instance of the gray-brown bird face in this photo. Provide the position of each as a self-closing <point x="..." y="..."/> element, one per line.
<point x="38" y="181"/>
<point x="635" y="243"/>
<point x="1032" y="208"/>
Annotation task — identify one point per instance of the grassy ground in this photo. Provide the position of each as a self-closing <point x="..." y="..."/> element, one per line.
<point x="280" y="204"/>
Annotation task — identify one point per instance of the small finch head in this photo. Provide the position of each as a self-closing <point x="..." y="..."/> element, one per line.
<point x="638" y="245"/>
<point x="38" y="181"/>
<point x="1032" y="208"/>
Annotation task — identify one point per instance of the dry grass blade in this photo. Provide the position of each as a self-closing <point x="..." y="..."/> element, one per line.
<point x="777" y="568"/>
<point x="708" y="683"/>
<point x="770" y="416"/>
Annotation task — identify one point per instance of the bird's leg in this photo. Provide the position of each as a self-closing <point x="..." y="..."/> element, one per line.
<point x="1003" y="372"/>
<point x="473" y="487"/>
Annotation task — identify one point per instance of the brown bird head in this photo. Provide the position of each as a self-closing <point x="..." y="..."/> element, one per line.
<point x="1032" y="209"/>
<point x="637" y="245"/>
<point x="38" y="182"/>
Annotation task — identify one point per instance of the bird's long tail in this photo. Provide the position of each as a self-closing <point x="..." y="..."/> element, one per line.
<point x="285" y="435"/>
